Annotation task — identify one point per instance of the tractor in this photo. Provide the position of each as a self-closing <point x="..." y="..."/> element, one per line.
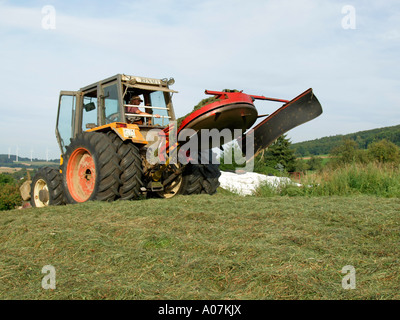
<point x="110" y="150"/>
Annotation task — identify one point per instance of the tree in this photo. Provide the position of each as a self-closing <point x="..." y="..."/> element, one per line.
<point x="384" y="151"/>
<point x="279" y="155"/>
<point x="315" y="163"/>
<point x="301" y="165"/>
<point x="348" y="152"/>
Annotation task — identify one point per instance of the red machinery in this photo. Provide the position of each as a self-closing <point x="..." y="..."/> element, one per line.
<point x="236" y="110"/>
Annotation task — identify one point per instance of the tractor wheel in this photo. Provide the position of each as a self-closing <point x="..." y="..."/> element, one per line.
<point x="131" y="168"/>
<point x="91" y="169"/>
<point x="201" y="178"/>
<point x="46" y="188"/>
<point x="174" y="187"/>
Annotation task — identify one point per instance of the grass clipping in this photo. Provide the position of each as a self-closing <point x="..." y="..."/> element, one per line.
<point x="203" y="247"/>
<point x="201" y="104"/>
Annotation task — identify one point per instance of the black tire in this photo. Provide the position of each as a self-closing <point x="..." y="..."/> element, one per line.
<point x="201" y="178"/>
<point x="131" y="168"/>
<point x="46" y="188"/>
<point x="91" y="158"/>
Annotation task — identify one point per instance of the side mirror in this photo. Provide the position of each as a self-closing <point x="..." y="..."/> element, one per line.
<point x="89" y="106"/>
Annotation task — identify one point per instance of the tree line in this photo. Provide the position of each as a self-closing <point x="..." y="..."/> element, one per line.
<point x="280" y="158"/>
<point x="362" y="139"/>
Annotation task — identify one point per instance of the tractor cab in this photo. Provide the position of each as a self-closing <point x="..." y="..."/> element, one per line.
<point x="102" y="105"/>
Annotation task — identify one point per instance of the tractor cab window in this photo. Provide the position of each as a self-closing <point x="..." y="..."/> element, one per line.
<point x="158" y="106"/>
<point x="111" y="105"/>
<point x="144" y="107"/>
<point x="89" y="112"/>
<point x="134" y="109"/>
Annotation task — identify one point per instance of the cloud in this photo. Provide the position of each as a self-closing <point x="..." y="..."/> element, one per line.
<point x="273" y="48"/>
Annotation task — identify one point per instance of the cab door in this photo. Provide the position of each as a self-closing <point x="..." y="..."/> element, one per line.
<point x="66" y="118"/>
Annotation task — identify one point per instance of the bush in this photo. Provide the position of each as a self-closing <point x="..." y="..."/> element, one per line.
<point x="9" y="196"/>
<point x="347" y="152"/>
<point x="301" y="165"/>
<point x="384" y="151"/>
<point x="315" y="163"/>
<point x="6" y="178"/>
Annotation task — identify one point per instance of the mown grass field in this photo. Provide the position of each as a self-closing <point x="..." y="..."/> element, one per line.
<point x="204" y="247"/>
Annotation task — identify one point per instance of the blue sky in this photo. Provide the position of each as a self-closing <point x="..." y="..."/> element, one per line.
<point x="272" y="48"/>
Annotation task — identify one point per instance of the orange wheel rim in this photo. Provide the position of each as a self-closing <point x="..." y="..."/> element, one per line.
<point x="81" y="175"/>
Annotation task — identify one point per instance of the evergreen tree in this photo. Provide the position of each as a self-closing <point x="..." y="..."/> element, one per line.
<point x="279" y="155"/>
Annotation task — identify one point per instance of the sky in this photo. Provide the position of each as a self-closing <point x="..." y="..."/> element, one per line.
<point x="348" y="52"/>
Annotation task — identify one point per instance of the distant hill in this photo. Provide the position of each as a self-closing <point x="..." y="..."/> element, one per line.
<point x="5" y="161"/>
<point x="363" y="138"/>
<point x="4" y="158"/>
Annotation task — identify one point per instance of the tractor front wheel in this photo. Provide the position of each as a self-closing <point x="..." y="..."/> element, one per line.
<point x="46" y="188"/>
<point x="91" y="169"/>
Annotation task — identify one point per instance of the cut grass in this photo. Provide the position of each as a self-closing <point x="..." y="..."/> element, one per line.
<point x="204" y="247"/>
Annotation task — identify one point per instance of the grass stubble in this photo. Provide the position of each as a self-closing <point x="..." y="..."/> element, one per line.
<point x="204" y="247"/>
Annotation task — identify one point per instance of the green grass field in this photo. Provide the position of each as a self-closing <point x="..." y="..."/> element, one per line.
<point x="204" y="247"/>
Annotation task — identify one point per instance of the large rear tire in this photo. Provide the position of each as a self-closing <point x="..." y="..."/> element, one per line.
<point x="91" y="169"/>
<point x="46" y="188"/>
<point x="131" y="168"/>
<point x="201" y="178"/>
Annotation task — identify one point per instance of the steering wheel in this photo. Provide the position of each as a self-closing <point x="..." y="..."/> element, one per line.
<point x="112" y="117"/>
